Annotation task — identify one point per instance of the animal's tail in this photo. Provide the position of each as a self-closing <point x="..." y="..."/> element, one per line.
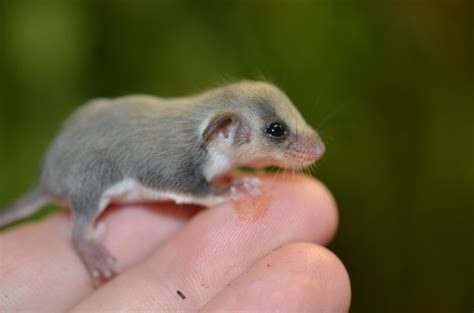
<point x="24" y="206"/>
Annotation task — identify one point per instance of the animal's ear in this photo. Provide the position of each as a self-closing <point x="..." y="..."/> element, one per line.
<point x="223" y="125"/>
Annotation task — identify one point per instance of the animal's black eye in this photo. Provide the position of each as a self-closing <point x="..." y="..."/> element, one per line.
<point x="276" y="129"/>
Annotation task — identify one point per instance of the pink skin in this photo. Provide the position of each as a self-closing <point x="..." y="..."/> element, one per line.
<point x="216" y="260"/>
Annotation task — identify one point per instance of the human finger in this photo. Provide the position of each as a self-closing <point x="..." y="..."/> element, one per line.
<point x="40" y="270"/>
<point x="219" y="244"/>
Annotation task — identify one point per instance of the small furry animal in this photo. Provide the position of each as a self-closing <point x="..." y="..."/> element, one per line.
<point x="144" y="148"/>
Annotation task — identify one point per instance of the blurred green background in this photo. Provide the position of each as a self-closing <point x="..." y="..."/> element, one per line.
<point x="389" y="84"/>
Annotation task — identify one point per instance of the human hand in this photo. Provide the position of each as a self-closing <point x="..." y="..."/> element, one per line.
<point x="252" y="255"/>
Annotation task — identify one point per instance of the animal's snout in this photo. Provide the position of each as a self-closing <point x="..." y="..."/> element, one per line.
<point x="310" y="150"/>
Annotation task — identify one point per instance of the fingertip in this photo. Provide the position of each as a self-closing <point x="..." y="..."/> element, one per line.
<point x="330" y="275"/>
<point x="298" y="277"/>
<point x="327" y="281"/>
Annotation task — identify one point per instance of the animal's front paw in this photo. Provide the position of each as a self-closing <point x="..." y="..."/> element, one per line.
<point x="245" y="185"/>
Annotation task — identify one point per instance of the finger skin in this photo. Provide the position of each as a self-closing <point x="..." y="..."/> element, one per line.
<point x="41" y="272"/>
<point x="299" y="277"/>
<point x="218" y="245"/>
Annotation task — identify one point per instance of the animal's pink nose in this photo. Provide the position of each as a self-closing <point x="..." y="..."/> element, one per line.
<point x="319" y="150"/>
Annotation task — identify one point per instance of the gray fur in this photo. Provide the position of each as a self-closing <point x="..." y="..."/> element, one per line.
<point x="159" y="143"/>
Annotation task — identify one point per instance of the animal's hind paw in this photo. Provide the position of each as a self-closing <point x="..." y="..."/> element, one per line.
<point x="99" y="262"/>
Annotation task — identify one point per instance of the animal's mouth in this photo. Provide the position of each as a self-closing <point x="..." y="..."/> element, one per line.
<point x="298" y="161"/>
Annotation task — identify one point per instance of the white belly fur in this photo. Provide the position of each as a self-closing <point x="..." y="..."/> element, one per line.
<point x="131" y="191"/>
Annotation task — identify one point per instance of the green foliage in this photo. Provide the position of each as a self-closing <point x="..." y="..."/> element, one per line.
<point x="388" y="84"/>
